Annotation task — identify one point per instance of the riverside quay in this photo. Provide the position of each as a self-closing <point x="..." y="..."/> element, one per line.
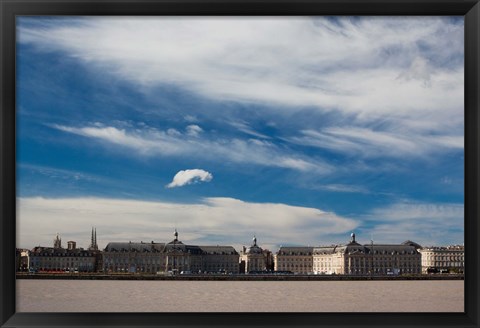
<point x="175" y="257"/>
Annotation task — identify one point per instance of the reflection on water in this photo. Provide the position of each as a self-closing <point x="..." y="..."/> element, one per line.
<point x="239" y="296"/>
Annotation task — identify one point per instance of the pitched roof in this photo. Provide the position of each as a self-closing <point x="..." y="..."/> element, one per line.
<point x="295" y="250"/>
<point x="134" y="247"/>
<point x="222" y="250"/>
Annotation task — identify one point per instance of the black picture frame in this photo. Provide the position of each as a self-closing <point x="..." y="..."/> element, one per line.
<point x="9" y="9"/>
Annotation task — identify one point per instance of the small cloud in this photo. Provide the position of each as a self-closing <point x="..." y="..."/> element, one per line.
<point x="185" y="177"/>
<point x="173" y="132"/>
<point x="194" y="130"/>
<point x="419" y="70"/>
<point x="245" y="128"/>
<point x="190" y="118"/>
<point x="345" y="188"/>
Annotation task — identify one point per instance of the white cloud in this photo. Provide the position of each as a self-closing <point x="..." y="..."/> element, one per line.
<point x="419" y="70"/>
<point x="425" y="223"/>
<point x="449" y="214"/>
<point x="153" y="142"/>
<point x="186" y="177"/>
<point x="56" y="173"/>
<point x="213" y="221"/>
<point x="367" y="142"/>
<point x="194" y="130"/>
<point x="345" y="188"/>
<point x="350" y="65"/>
<point x="404" y="73"/>
<point x="245" y="128"/>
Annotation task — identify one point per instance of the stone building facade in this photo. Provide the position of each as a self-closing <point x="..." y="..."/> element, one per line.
<point x="220" y="259"/>
<point x="294" y="259"/>
<point x="174" y="257"/>
<point x="255" y="259"/>
<point x="443" y="259"/>
<point x="376" y="259"/>
<point x="59" y="259"/>
<point x="133" y="257"/>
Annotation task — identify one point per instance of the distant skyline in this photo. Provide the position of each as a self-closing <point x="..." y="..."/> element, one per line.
<point x="299" y="130"/>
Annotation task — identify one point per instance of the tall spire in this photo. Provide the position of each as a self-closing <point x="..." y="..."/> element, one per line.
<point x="93" y="242"/>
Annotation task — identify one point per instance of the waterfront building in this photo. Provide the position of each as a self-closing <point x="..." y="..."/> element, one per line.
<point x="356" y="259"/>
<point x="57" y="258"/>
<point x="180" y="257"/>
<point x="173" y="257"/>
<point x="60" y="259"/>
<point x="24" y="260"/>
<point x="443" y="259"/>
<point x="220" y="259"/>
<point x="133" y="257"/>
<point x="294" y="259"/>
<point x="254" y="258"/>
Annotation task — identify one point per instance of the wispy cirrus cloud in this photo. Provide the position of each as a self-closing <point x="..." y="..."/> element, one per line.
<point x="366" y="142"/>
<point x="245" y="128"/>
<point x="427" y="223"/>
<point x="365" y="66"/>
<point x="154" y="142"/>
<point x="56" y="173"/>
<point x="378" y="74"/>
<point x="344" y="188"/>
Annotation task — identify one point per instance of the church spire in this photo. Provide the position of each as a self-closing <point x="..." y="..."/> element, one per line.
<point x="93" y="241"/>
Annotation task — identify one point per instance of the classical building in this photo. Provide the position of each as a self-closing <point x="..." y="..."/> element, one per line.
<point x="220" y="259"/>
<point x="173" y="257"/>
<point x="24" y="260"/>
<point x="294" y="259"/>
<point x="255" y="258"/>
<point x="443" y="259"/>
<point x="133" y="257"/>
<point x="356" y="259"/>
<point x="57" y="258"/>
<point x="180" y="257"/>
<point x="60" y="259"/>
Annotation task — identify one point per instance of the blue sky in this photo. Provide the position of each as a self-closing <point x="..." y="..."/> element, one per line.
<point x="299" y="130"/>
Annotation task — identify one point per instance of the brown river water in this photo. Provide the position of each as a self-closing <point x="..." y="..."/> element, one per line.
<point x="239" y="296"/>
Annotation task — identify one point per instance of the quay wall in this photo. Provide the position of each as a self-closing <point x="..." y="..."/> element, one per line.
<point x="236" y="277"/>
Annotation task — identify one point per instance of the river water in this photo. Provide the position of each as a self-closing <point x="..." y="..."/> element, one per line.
<point x="239" y="296"/>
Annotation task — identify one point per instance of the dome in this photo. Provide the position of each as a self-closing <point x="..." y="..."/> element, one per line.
<point x="254" y="250"/>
